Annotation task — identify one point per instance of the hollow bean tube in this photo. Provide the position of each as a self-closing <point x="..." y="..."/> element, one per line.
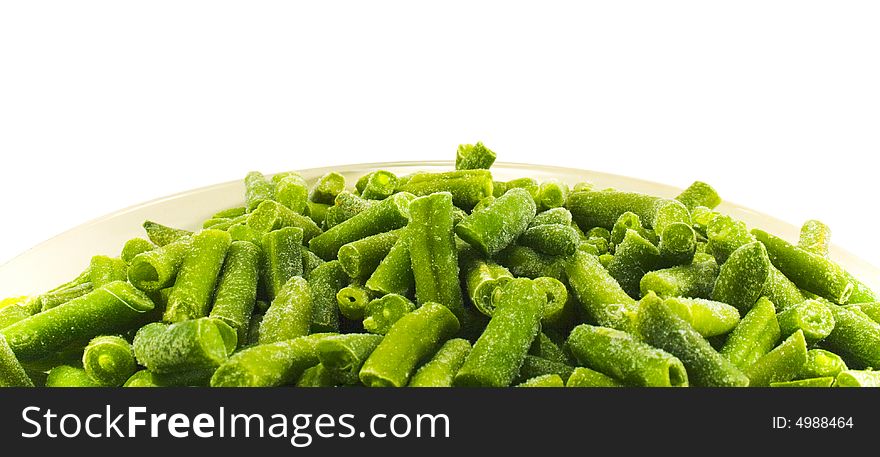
<point x="440" y="371"/>
<point x="781" y="364"/>
<point x="109" y="360"/>
<point x="467" y="187"/>
<point x="347" y="353"/>
<point x="821" y="363"/>
<point x="380" y="185"/>
<point x="474" y="156"/>
<point x="187" y="345"/>
<point x="812" y="317"/>
<point x="154" y="270"/>
<point x="551" y="239"/>
<point x="327" y="188"/>
<point x="496" y="226"/>
<point x="620" y="355"/>
<point x="661" y="328"/>
<point x="413" y="338"/>
<point x="116" y="307"/>
<point x="198" y="274"/>
<point x="755" y="335"/>
<point x="381" y="313"/>
<point x="325" y="282"/>
<point x="361" y="258"/>
<point x="482" y="279"/>
<point x="269" y="365"/>
<point x="741" y="279"/>
<point x="499" y="352"/>
<point x="594" y="288"/>
<point x="257" y="190"/>
<point x="134" y="247"/>
<point x="389" y="214"/>
<point x="433" y="253"/>
<point x="236" y="292"/>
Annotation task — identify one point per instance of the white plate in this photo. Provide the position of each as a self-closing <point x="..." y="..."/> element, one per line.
<point x="63" y="257"/>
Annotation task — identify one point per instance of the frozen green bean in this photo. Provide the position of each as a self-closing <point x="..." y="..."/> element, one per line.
<point x="821" y="363"/>
<point x="594" y="288"/>
<point x="633" y="257"/>
<point x="116" y="307"/>
<point x="346" y="206"/>
<point x="858" y="378"/>
<point x="547" y="380"/>
<point x="12" y="314"/>
<point x="678" y="245"/>
<point x="380" y="185"/>
<point x="553" y="216"/>
<point x="236" y="293"/>
<point x="319" y="376"/>
<point x="12" y="374"/>
<point x="482" y="279"/>
<point x="742" y="277"/>
<point x="809" y="271"/>
<point x="68" y="376"/>
<point x="188" y="345"/>
<point x="243" y="232"/>
<point x="603" y="208"/>
<point x="292" y="192"/>
<point x="198" y="274"/>
<point x="394" y="273"/>
<point x="551" y="239"/>
<point x="467" y="187"/>
<point x="231" y="212"/>
<point x="496" y="226"/>
<point x="534" y="366"/>
<point x="629" y="221"/>
<point x="811" y="317"/>
<point x="620" y="355"/>
<point x="433" y="253"/>
<point x="499" y="352"/>
<point x="161" y="235"/>
<point x="810" y="382"/>
<point x="389" y="214"/>
<point x="271" y="215"/>
<point x="815" y="237"/>
<point x="474" y="156"/>
<point x="709" y="318"/>
<point x="327" y="188"/>
<point x="324" y="283"/>
<point x="557" y="299"/>
<point x="109" y="360"/>
<point x="781" y="364"/>
<point x="661" y="328"/>
<point x="585" y="377"/>
<point x="381" y="313"/>
<point x="871" y="310"/>
<point x="317" y="212"/>
<point x="413" y="338"/>
<point x="551" y="194"/>
<point x="855" y="337"/>
<point x="346" y="354"/>
<point x="190" y="378"/>
<point x="310" y="262"/>
<point x="133" y="247"/>
<point x="526" y="262"/>
<point x="694" y="280"/>
<point x="282" y="258"/>
<point x="269" y="365"/>
<point x="361" y="258"/>
<point x="699" y="194"/>
<point x="353" y="301"/>
<point x="755" y="335"/>
<point x="257" y="190"/>
<point x="440" y="371"/>
<point x="290" y="314"/>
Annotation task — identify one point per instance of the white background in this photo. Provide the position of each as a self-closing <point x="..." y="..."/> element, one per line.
<point x="107" y="104"/>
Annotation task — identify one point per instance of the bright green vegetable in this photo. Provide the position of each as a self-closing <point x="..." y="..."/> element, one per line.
<point x="433" y="253"/>
<point x="811" y="317"/>
<point x="699" y="194"/>
<point x="551" y="194"/>
<point x="741" y="279"/>
<point x="389" y="214"/>
<point x="346" y="354"/>
<point x="633" y="257"/>
<point x="755" y="335"/>
<point x="327" y="188"/>
<point x="482" y="279"/>
<point x="236" y="292"/>
<point x="361" y="258"/>
<point x="271" y="215"/>
<point x="282" y="258"/>
<point x="857" y="378"/>
<point x="193" y="344"/>
<point x="551" y="239"/>
<point x="694" y="280"/>
<point x="440" y="371"/>
<point x="493" y="228"/>
<point x="380" y="185"/>
<point x="474" y="156"/>
<point x="12" y="374"/>
<point x="157" y="269"/>
<point x="381" y="313"/>
<point x="68" y="376"/>
<point x="133" y="247"/>
<point x="547" y="380"/>
<point x="585" y="377"/>
<point x="257" y="190"/>
<point x="292" y="192"/>
<point x="811" y="382"/>
<point x="109" y="360"/>
<point x="290" y="314"/>
<point x="198" y="274"/>
<point x="269" y="365"/>
<point x="709" y="318"/>
<point x="353" y="301"/>
<point x="467" y="187"/>
<point x="594" y="288"/>
<point x="324" y="283"/>
<point x="815" y="237"/>
<point x="162" y="235"/>
<point x="821" y="363"/>
<point x="855" y="337"/>
<point x="781" y="364"/>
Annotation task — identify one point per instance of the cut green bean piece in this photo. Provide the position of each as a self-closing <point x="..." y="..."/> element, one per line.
<point x="585" y="377"/>
<point x="482" y="279"/>
<point x="781" y="364"/>
<point x="529" y="184"/>
<point x="553" y="216"/>
<point x="346" y="354"/>
<point x="380" y="185"/>
<point x="858" y="378"/>
<point x="661" y="328"/>
<point x="633" y="257"/>
<point x="781" y="291"/>
<point x="809" y="271"/>
<point x="678" y="244"/>
<point x="526" y="262"/>
<point x="433" y="252"/>
<point x="547" y="380"/>
<point x="812" y="317"/>
<point x="499" y="352"/>
<point x="534" y="366"/>
<point x="116" y="307"/>
<point x="154" y="270"/>
<point x="282" y="256"/>
<point x="310" y="262"/>
<point x="318" y="376"/>
<point x="709" y="318"/>
<point x="694" y="280"/>
<point x="317" y="212"/>
<point x="413" y="338"/>
<point x="496" y="226"/>
<point x="324" y="283"/>
<point x="290" y="314"/>
<point x="557" y="299"/>
<point x="861" y="292"/>
<point x="821" y="363"/>
<point x="353" y="301"/>
<point x="361" y="258"/>
<point x="381" y="313"/>
<point x="594" y="288"/>
<point x="257" y="190"/>
<point x="68" y="376"/>
<point x="474" y="156"/>
<point x="243" y="232"/>
<point x="603" y="208"/>
<point x="725" y="236"/>
<point x="161" y="235"/>
<point x="109" y="360"/>
<point x="741" y="279"/>
<point x="389" y="214"/>
<point x="292" y="192"/>
<point x="269" y="365"/>
<point x="52" y="299"/>
<point x="620" y="355"/>
<point x="551" y="194"/>
<point x="467" y="187"/>
<point x="394" y="273"/>
<point x="440" y="371"/>
<point x="815" y="237"/>
<point x="12" y="314"/>
<point x="236" y="293"/>
<point x="551" y="239"/>
<point x="755" y="335"/>
<point x="871" y="310"/>
<point x="328" y="187"/>
<point x="198" y="274"/>
<point x="855" y="337"/>
<point x="346" y="206"/>
<point x="271" y="215"/>
<point x="811" y="382"/>
<point x="133" y="247"/>
<point x="188" y="345"/>
<point x="12" y="374"/>
<point x="231" y="212"/>
<point x="699" y="194"/>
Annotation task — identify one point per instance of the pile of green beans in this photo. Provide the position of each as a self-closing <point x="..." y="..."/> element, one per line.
<point x="452" y="279"/>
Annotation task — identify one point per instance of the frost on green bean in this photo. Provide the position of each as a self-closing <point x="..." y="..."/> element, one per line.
<point x="695" y="280"/>
<point x="858" y="378"/>
<point x="161" y="235"/>
<point x="594" y="288"/>
<point x="699" y="194"/>
<point x="855" y="337"/>
<point x="547" y="380"/>
<point x="257" y="190"/>
<point x="269" y="365"/>
<point x="755" y="335"/>
<point x="12" y="374"/>
<point x="474" y="156"/>
<point x="381" y="313"/>
<point x="290" y="314"/>
<point x="388" y="214"/>
<point x="709" y="318"/>
<point x="271" y="215"/>
<point x="633" y="257"/>
<point x="347" y="353"/>
<point x="324" y="283"/>
<point x="236" y="293"/>
<point x="433" y="252"/>
<point x="327" y="188"/>
<point x="742" y="277"/>
<point x="812" y="317"/>
<point x="815" y="237"/>
<point x="193" y="344"/>
<point x="499" y="224"/>
<point x="781" y="364"/>
<point x="467" y="187"/>
<point x="585" y="377"/>
<point x="821" y="363"/>
<point x="194" y="285"/>
<point x="361" y="258"/>
<point x="440" y="371"/>
<point x="282" y="258"/>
